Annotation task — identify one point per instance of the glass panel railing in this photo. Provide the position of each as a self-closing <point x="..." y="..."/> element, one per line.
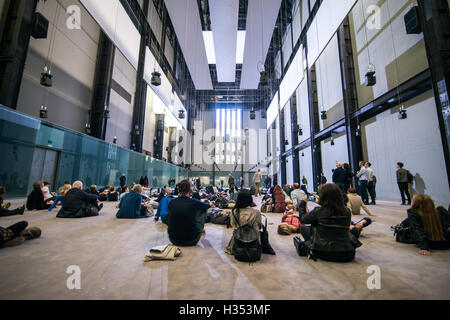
<point x="27" y="144"/>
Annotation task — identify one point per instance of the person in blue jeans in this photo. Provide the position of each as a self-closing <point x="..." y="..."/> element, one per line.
<point x="363" y="176"/>
<point x="61" y="194"/>
<point x="186" y="217"/>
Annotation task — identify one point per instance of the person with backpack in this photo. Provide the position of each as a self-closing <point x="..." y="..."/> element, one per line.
<point x="403" y="182"/>
<point x="246" y="222"/>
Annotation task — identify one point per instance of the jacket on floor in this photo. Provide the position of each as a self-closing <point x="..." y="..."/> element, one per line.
<point x="331" y="233"/>
<point x="75" y="204"/>
<point x="130" y="206"/>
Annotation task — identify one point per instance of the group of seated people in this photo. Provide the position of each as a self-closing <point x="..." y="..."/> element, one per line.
<point x="328" y="229"/>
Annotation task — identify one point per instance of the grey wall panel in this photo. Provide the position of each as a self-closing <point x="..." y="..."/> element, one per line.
<point x="416" y="142"/>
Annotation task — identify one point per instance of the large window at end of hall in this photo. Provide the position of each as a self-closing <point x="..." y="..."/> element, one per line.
<point x="228" y="142"/>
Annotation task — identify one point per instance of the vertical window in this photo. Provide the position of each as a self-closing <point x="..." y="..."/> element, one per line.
<point x="228" y="135"/>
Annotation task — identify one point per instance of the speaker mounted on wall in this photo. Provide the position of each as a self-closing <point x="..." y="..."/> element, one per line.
<point x="40" y="26"/>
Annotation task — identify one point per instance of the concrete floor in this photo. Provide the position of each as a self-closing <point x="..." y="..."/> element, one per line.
<point x="110" y="254"/>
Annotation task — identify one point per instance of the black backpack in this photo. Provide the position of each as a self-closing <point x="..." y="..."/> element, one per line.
<point x="246" y="246"/>
<point x="410" y="177"/>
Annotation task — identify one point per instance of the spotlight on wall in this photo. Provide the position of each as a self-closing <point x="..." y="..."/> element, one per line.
<point x="252" y="115"/>
<point x="43" y="113"/>
<point x="303" y="154"/>
<point x="286" y="142"/>
<point x="115" y="140"/>
<point x="137" y="132"/>
<point x="46" y="78"/>
<point x="358" y="131"/>
<point x="371" y="79"/>
<point x="264" y="79"/>
<point x="156" y="79"/>
<point x="106" y="114"/>
<point x="133" y="147"/>
<point x="181" y="114"/>
<point x="300" y="131"/>
<point x="332" y="141"/>
<point x="323" y="114"/>
<point x="88" y="128"/>
<point x="402" y="115"/>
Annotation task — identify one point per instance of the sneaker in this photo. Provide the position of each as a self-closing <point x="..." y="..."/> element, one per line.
<point x="100" y="206"/>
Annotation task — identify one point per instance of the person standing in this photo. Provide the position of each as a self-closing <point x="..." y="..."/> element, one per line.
<point x="123" y="180"/>
<point x="231" y="181"/>
<point x="350" y="176"/>
<point x="241" y="182"/>
<point x="198" y="184"/>
<point x="402" y="181"/>
<point x="363" y="176"/>
<point x="257" y="180"/>
<point x="340" y="177"/>
<point x="304" y="181"/>
<point x="371" y="183"/>
<point x="322" y="179"/>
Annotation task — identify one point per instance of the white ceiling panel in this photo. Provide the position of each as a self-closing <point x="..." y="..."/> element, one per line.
<point x="261" y="18"/>
<point x="185" y="18"/>
<point x="224" y="22"/>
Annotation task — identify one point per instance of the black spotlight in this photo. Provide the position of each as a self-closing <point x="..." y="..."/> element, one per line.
<point x="133" y="147"/>
<point x="46" y="78"/>
<point x="303" y="154"/>
<point x="181" y="114"/>
<point x="300" y="131"/>
<point x="402" y="115"/>
<point x="358" y="131"/>
<point x="252" y="115"/>
<point x="264" y="79"/>
<point x="43" y="113"/>
<point x="106" y="114"/>
<point x="115" y="140"/>
<point x="332" y="142"/>
<point x="88" y="128"/>
<point x="371" y="78"/>
<point x="286" y="142"/>
<point x="323" y="115"/>
<point x="156" y="78"/>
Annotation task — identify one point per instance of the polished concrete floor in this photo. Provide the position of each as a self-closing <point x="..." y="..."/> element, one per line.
<point x="110" y="254"/>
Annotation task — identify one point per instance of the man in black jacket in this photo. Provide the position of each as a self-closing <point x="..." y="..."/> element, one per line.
<point x="186" y="217"/>
<point x="77" y="203"/>
<point x="123" y="180"/>
<point x="340" y="177"/>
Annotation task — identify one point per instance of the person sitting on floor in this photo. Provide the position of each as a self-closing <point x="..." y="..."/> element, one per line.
<point x="279" y="200"/>
<point x="79" y="204"/>
<point x="17" y="234"/>
<point x="131" y="204"/>
<point x="35" y="200"/>
<point x="48" y="196"/>
<point x="4" y="211"/>
<point x="428" y="226"/>
<point x="244" y="214"/>
<point x="355" y="203"/>
<point x="62" y="193"/>
<point x="329" y="233"/>
<point x="297" y="195"/>
<point x="186" y="217"/>
<point x="93" y="190"/>
<point x="290" y="223"/>
<point x="113" y="195"/>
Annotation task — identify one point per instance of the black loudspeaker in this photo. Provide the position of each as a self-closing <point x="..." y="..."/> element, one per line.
<point x="412" y="21"/>
<point x="40" y="26"/>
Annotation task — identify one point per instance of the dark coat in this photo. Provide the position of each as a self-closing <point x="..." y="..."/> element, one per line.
<point x="130" y="206"/>
<point x="418" y="233"/>
<point x="35" y="201"/>
<point x="340" y="176"/>
<point x="331" y="233"/>
<point x="123" y="181"/>
<point x="75" y="204"/>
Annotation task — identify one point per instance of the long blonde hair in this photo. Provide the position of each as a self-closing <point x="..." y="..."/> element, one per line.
<point x="429" y="216"/>
<point x="64" y="189"/>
